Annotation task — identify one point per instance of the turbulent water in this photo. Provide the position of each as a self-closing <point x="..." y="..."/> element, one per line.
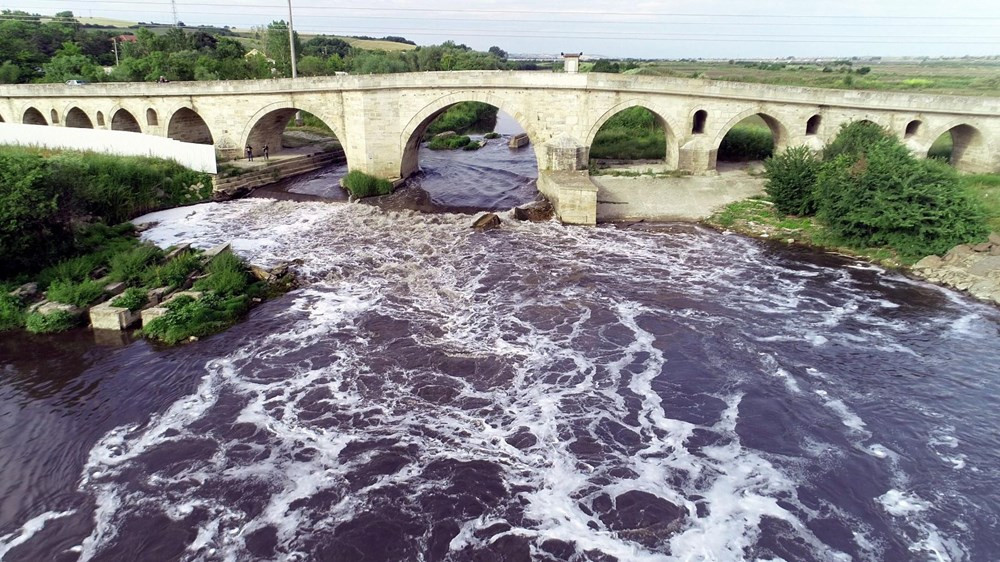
<point x="533" y="392"/>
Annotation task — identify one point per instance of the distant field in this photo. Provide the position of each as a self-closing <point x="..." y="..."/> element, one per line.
<point x="105" y="22"/>
<point x="976" y="78"/>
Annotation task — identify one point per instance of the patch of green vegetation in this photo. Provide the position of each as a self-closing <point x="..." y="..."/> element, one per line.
<point x="130" y="266"/>
<point x="449" y="143"/>
<point x="985" y="188"/>
<point x="187" y="317"/>
<point x="80" y="294"/>
<point x="746" y="142"/>
<point x="632" y="134"/>
<point x="871" y="197"/>
<point x="172" y="274"/>
<point x="492" y="135"/>
<point x="134" y="298"/>
<point x="472" y="146"/>
<point x="58" y="321"/>
<point x="942" y="148"/>
<point x="226" y="276"/>
<point x="11" y="311"/>
<point x="360" y="184"/>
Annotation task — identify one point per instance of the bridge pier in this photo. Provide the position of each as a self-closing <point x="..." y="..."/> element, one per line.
<point x="565" y="181"/>
<point x="697" y="156"/>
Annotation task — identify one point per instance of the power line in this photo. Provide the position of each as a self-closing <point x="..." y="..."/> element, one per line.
<point x="559" y="12"/>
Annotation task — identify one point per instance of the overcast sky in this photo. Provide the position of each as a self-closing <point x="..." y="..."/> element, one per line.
<point x="641" y="29"/>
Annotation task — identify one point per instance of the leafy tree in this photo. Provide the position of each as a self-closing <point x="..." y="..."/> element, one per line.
<point x="70" y="63"/>
<point x="277" y="47"/>
<point x="498" y="52"/>
<point x="322" y="46"/>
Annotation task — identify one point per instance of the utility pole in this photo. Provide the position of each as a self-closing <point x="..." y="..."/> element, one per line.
<point x="291" y="37"/>
<point x="114" y="41"/>
<point x="173" y="8"/>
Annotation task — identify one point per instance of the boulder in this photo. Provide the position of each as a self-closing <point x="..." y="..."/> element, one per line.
<point x="262" y="274"/>
<point x="957" y="253"/>
<point x="984" y="266"/>
<point x="930" y="262"/>
<point x="485" y="221"/>
<point x="48" y="307"/>
<point x="982" y="248"/>
<point x="157" y="295"/>
<point x="995" y="238"/>
<point x="26" y="291"/>
<point x="535" y="211"/>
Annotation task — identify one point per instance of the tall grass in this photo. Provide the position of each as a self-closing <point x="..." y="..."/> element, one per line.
<point x="632" y="134"/>
<point x="360" y="184"/>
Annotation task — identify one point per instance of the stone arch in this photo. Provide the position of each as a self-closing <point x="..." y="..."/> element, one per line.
<point x="100" y="119"/>
<point x="699" y="121"/>
<point x="1" y="119"/>
<point x="33" y="117"/>
<point x="912" y="128"/>
<point x="123" y="120"/>
<point x="778" y="130"/>
<point x="186" y="125"/>
<point x="151" y="119"/>
<point x="77" y="119"/>
<point x="413" y="131"/>
<point x="672" y="148"/>
<point x="54" y="117"/>
<point x="970" y="152"/>
<point x="269" y="123"/>
<point x="813" y="124"/>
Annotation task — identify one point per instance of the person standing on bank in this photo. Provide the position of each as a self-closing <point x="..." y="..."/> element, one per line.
<point x="249" y="153"/>
<point x="266" y="152"/>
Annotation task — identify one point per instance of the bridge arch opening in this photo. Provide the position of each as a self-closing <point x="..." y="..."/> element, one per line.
<point x="77" y="119"/>
<point x="33" y="117"/>
<point x="469" y="155"/>
<point x="813" y="124"/>
<point x="750" y="139"/>
<point x="187" y="126"/>
<point x="292" y="130"/>
<point x="55" y="117"/>
<point x="1" y="119"/>
<point x="962" y="146"/>
<point x="699" y="121"/>
<point x="912" y="128"/>
<point x="634" y="136"/>
<point x="123" y="120"/>
<point x="151" y="118"/>
<point x="100" y="119"/>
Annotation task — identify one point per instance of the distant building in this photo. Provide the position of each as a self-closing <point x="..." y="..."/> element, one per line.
<point x="127" y="38"/>
<point x="572" y="62"/>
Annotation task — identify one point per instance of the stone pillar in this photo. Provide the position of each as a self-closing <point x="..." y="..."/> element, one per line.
<point x="697" y="156"/>
<point x="571" y="62"/>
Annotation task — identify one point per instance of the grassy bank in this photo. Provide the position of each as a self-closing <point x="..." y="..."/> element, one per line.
<point x="45" y="196"/>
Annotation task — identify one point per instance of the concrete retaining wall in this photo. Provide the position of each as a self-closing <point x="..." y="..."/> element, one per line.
<point x="200" y="157"/>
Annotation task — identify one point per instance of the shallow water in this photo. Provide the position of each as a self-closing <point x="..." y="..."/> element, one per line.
<point x="532" y="392"/>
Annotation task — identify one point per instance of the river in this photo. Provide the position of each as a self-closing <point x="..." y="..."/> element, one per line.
<point x="538" y="392"/>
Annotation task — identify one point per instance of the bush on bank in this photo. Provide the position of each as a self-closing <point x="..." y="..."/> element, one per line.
<point x="43" y="195"/>
<point x="870" y="191"/>
<point x="360" y="184"/>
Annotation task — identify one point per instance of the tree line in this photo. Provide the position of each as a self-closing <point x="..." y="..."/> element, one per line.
<point x="37" y="49"/>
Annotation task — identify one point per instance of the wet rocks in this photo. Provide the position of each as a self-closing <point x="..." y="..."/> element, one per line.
<point x="536" y="211"/>
<point x="106" y="317"/>
<point x="640" y="516"/>
<point x="975" y="269"/>
<point x="27" y="291"/>
<point x="485" y="221"/>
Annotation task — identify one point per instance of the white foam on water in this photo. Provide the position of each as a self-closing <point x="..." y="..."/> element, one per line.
<point x="567" y="378"/>
<point x="28" y="530"/>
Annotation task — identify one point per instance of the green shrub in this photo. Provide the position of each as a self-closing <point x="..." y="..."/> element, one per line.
<point x="885" y="197"/>
<point x="134" y="298"/>
<point x="472" y="146"/>
<point x="449" y="143"/>
<point x="493" y="135"/>
<point x="73" y="270"/>
<point x="188" y="317"/>
<point x="746" y="142"/>
<point x="58" y="321"/>
<point x="11" y="312"/>
<point x="360" y="184"/>
<point x="791" y="180"/>
<point x="854" y="138"/>
<point x="227" y="276"/>
<point x="173" y="273"/>
<point x="81" y="294"/>
<point x="130" y="266"/>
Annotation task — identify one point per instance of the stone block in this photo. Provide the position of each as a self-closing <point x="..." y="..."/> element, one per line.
<point x="177" y="250"/>
<point x="214" y="251"/>
<point x="107" y="317"/>
<point x="48" y="307"/>
<point x="485" y="221"/>
<point x="152" y="313"/>
<point x="114" y="289"/>
<point x="984" y="266"/>
<point x="26" y="291"/>
<point x="930" y="262"/>
<point x="157" y="295"/>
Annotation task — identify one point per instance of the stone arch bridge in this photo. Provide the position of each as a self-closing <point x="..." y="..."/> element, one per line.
<point x="380" y="119"/>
